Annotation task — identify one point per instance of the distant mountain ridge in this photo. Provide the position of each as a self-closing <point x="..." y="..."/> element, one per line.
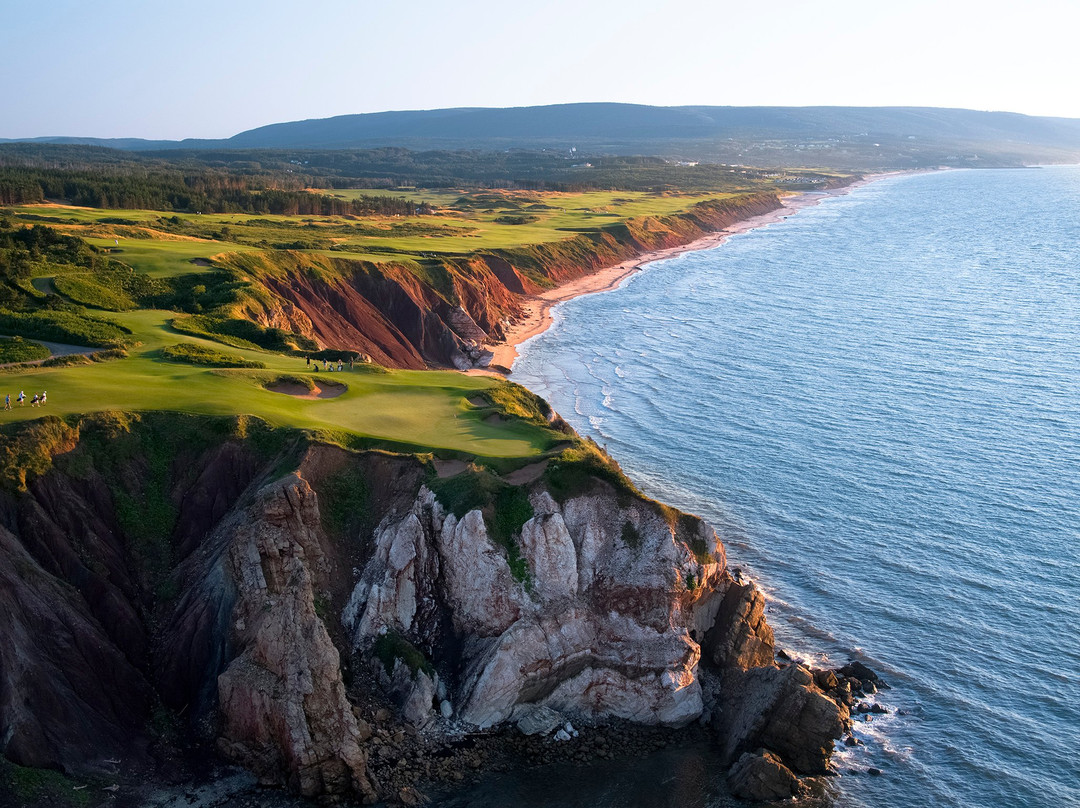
<point x="628" y="122"/>
<point x="701" y="131"/>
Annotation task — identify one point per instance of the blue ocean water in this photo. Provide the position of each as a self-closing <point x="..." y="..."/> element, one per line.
<point x="877" y="403"/>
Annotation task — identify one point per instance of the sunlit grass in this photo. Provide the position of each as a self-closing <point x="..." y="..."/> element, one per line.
<point x="413" y="408"/>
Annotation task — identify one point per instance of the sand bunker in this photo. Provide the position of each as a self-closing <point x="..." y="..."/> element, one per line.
<point x="449" y="468"/>
<point x="322" y="389"/>
<point x="527" y="474"/>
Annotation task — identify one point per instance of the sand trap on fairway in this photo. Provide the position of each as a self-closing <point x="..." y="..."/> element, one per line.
<point x="322" y="389"/>
<point x="448" y="468"/>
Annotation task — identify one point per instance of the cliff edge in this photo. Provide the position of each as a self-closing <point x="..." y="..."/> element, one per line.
<point x="259" y="594"/>
<point x="447" y="312"/>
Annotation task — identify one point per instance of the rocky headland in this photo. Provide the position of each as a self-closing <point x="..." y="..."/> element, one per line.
<point x="360" y="623"/>
<point x="401" y="316"/>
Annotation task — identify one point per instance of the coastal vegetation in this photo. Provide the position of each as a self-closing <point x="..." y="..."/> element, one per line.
<point x="213" y="350"/>
<point x="227" y="318"/>
<point x="280" y="182"/>
<point x="203" y="355"/>
<point x="18" y="349"/>
<point x="200" y="308"/>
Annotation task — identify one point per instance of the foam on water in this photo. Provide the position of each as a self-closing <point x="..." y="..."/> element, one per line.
<point x="877" y="403"/>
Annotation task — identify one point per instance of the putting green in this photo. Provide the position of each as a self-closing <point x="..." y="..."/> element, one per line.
<point x="416" y="408"/>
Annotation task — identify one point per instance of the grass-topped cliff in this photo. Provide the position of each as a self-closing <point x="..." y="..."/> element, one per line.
<point x="209" y="313"/>
<point x="174" y="588"/>
<point x="237" y="404"/>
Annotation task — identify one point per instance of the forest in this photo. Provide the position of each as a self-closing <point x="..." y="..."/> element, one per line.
<point x="277" y="181"/>
<point x="195" y="191"/>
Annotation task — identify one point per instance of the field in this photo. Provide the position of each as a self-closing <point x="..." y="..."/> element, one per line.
<point x="462" y="222"/>
<point x="415" y="409"/>
<point x="159" y="258"/>
<point x="424" y="409"/>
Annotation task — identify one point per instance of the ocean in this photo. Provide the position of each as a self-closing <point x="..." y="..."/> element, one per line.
<point x="876" y="402"/>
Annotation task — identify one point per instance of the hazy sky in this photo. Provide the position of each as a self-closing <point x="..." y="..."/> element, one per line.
<point x="145" y="68"/>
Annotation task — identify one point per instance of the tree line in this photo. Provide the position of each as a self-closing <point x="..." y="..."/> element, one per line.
<point x="207" y="192"/>
<point x="275" y="180"/>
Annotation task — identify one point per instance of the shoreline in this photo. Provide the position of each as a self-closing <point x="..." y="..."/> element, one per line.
<point x="537" y="308"/>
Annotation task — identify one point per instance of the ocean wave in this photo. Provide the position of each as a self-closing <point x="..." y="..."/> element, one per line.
<point x="887" y="415"/>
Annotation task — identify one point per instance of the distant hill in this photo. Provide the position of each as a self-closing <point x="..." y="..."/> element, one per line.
<point x="854" y="137"/>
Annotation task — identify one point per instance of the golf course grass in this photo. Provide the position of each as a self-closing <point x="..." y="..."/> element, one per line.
<point x="462" y="223"/>
<point x="411" y="410"/>
<point x="422" y="409"/>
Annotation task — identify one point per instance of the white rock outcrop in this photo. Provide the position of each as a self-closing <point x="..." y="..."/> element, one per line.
<point x="606" y="623"/>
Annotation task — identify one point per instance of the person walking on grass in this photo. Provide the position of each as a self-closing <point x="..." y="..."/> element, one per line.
<point x="42" y="402"/>
<point x="34" y="400"/>
<point x="22" y="397"/>
<point x="7" y="401"/>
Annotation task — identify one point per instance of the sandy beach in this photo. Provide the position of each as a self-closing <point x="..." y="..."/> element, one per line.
<point x="537" y="308"/>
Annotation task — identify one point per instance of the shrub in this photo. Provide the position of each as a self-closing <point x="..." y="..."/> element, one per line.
<point x="631" y="536"/>
<point x="72" y="327"/>
<point x="109" y="354"/>
<point x="505" y="508"/>
<point x="344" y="500"/>
<point x="27" y="449"/>
<point x="688" y="530"/>
<point x="201" y="355"/>
<point x="391" y="646"/>
<point x="66" y="361"/>
<point x="518" y="402"/>
<point x="84" y="289"/>
<point x="576" y="469"/>
<point x="242" y="333"/>
<point x="19" y="350"/>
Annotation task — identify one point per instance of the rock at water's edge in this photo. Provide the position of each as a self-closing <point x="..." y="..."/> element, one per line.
<point x="283" y="705"/>
<point x="783" y="711"/>
<point x="762" y="777"/>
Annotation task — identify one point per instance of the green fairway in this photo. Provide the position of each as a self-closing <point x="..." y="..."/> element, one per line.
<point x="415" y="408"/>
<point x="463" y="222"/>
<point x="548" y="217"/>
<point x="165" y="257"/>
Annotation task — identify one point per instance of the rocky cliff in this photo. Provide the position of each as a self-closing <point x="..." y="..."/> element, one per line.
<point x="256" y="593"/>
<point x="598" y="619"/>
<point x="443" y="312"/>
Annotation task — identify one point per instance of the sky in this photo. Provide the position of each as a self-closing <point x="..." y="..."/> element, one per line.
<point x="150" y="69"/>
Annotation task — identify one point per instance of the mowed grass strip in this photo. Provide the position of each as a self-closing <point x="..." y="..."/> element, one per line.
<point x="165" y="257"/>
<point x="422" y="409"/>
<point x="414" y="408"/>
<point x="465" y="221"/>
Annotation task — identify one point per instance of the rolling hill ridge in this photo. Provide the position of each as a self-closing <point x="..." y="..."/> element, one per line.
<point x="851" y="137"/>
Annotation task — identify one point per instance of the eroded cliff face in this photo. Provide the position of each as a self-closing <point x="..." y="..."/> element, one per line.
<point x="445" y="314"/>
<point x="601" y="620"/>
<point x="211" y="585"/>
<point x="178" y="589"/>
<point x="281" y="700"/>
